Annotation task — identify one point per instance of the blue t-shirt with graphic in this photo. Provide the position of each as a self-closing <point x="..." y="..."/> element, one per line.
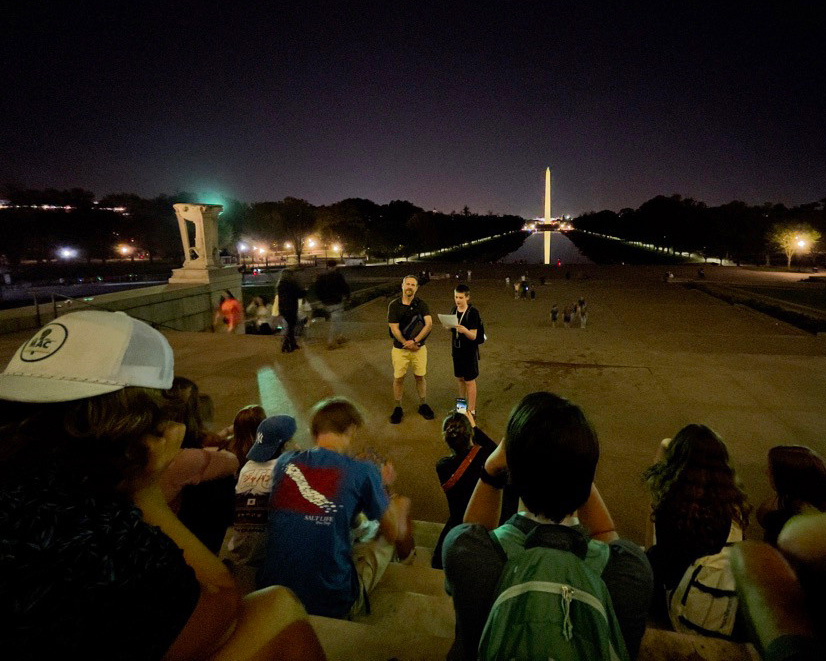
<point x="315" y="497"/>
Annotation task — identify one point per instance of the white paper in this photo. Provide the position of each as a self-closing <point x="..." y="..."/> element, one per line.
<point x="449" y="320"/>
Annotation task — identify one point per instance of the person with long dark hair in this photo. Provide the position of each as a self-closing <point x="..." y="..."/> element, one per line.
<point x="696" y="500"/>
<point x="798" y="477"/>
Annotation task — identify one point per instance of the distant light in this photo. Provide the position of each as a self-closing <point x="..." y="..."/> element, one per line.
<point x="67" y="253"/>
<point x="124" y="250"/>
<point x="288" y="245"/>
<point x="336" y="248"/>
<point x="261" y="250"/>
<point x="311" y="243"/>
<point x="243" y="247"/>
<point x="801" y="243"/>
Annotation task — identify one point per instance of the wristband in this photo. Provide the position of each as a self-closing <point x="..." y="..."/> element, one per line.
<point x="497" y="481"/>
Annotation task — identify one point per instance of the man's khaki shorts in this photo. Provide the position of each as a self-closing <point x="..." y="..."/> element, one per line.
<point x="402" y="359"/>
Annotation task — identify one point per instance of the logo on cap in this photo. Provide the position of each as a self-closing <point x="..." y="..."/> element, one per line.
<point x="45" y="343"/>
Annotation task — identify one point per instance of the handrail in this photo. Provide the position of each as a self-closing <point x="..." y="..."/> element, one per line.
<point x="155" y="324"/>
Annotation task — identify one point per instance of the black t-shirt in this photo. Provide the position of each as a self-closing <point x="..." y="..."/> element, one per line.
<point x="407" y="316"/>
<point x="471" y="320"/>
<point x="331" y="288"/>
<point x="81" y="574"/>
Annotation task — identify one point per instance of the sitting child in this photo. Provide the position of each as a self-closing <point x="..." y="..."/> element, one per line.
<point x="458" y="473"/>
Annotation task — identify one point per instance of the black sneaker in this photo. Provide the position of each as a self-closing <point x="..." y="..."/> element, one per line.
<point x="396" y="416"/>
<point x="426" y="412"/>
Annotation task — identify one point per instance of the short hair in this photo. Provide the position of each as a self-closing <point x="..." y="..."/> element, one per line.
<point x="462" y="289"/>
<point x="415" y="277"/>
<point x="552" y="452"/>
<point x="334" y="414"/>
<point x="457" y="431"/>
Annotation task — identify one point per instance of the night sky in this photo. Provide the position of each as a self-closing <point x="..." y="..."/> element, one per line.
<point x="444" y="104"/>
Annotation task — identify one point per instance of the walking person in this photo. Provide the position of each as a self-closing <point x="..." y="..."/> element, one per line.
<point x="409" y="322"/>
<point x="554" y="314"/>
<point x="332" y="290"/>
<point x="289" y="291"/>
<point x="464" y="345"/>
<point x="229" y="309"/>
<point x="566" y="317"/>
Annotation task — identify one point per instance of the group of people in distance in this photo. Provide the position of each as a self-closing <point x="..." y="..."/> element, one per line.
<point x="578" y="309"/>
<point x="291" y="307"/>
<point x="100" y="445"/>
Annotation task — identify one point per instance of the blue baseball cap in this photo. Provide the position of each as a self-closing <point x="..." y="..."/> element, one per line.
<point x="272" y="434"/>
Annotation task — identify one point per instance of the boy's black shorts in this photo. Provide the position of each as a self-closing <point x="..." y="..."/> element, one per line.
<point x="466" y="365"/>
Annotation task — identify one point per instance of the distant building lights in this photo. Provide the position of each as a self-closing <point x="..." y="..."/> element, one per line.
<point x="67" y="253"/>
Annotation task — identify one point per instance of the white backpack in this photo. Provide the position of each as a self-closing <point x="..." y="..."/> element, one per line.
<point x="705" y="602"/>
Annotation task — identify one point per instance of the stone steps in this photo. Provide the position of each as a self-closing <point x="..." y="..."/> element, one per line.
<point x="412" y="619"/>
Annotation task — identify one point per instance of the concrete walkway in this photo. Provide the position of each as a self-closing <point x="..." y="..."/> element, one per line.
<point x="654" y="357"/>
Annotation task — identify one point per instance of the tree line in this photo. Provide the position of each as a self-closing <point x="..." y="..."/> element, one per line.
<point x="735" y="231"/>
<point x="38" y="223"/>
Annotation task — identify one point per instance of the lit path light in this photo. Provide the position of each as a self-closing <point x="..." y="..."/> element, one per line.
<point x="272" y="394"/>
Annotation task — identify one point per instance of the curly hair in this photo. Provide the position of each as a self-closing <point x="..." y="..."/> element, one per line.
<point x="98" y="440"/>
<point x="695" y="487"/>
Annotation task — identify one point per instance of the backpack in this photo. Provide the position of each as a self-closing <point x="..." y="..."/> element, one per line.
<point x="552" y="603"/>
<point x="705" y="601"/>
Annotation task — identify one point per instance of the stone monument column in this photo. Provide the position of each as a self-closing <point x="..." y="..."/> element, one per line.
<point x="202" y="262"/>
<point x="204" y="253"/>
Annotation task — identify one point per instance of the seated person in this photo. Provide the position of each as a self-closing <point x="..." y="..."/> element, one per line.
<point x="798" y="477"/>
<point x="95" y="564"/>
<point x="252" y="493"/>
<point x="199" y="483"/>
<point x="242" y="432"/>
<point x="697" y="506"/>
<point x="781" y="590"/>
<point x="459" y="472"/>
<point x="316" y="496"/>
<point x="550" y="455"/>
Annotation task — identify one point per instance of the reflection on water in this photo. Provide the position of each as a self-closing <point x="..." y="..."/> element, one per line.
<point x="533" y="251"/>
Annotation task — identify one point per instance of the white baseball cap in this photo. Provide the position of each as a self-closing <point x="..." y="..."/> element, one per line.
<point x="87" y="353"/>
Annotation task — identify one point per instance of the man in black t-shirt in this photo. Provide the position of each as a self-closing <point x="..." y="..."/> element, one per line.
<point x="464" y="348"/>
<point x="332" y="290"/>
<point x="409" y="322"/>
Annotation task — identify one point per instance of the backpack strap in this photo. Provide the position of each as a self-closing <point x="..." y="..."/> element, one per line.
<point x="453" y="479"/>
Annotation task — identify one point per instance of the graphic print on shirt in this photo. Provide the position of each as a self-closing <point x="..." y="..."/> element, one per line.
<point x="309" y="491"/>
